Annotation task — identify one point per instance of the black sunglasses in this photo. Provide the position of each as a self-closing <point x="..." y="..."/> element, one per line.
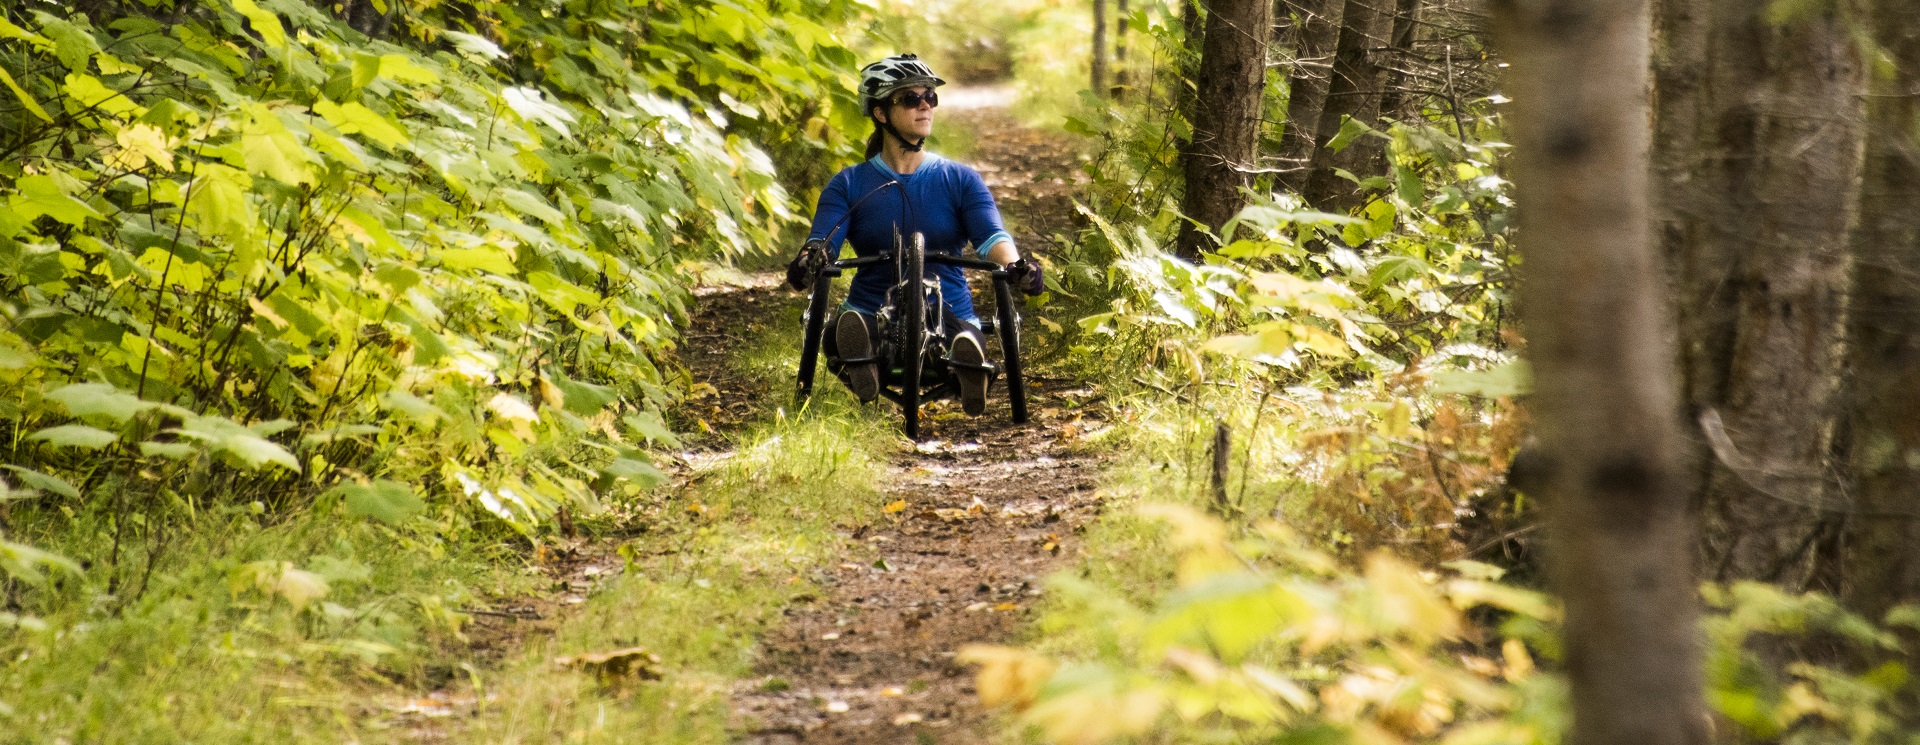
<point x="912" y="100"/>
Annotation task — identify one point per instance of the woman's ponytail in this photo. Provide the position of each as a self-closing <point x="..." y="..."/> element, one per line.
<point x="874" y="141"/>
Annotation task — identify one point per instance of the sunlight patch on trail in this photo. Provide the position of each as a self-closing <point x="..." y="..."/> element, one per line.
<point x="965" y="98"/>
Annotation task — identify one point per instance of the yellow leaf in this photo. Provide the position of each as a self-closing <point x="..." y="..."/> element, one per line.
<point x="1008" y="676"/>
<point x="32" y="105"/>
<point x="1519" y="663"/>
<point x="146" y="143"/>
<point x="264" y="23"/>
<point x="895" y="506"/>
<point x="353" y="118"/>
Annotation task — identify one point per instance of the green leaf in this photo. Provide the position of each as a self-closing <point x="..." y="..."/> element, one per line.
<point x="486" y="259"/>
<point x="38" y="480"/>
<point x="270" y="150"/>
<point x="10" y="31"/>
<point x="586" y="399"/>
<point x="25" y="98"/>
<point x="75" y="436"/>
<point x="353" y="118"/>
<point x="1511" y="379"/>
<point x="218" y="200"/>
<point x="73" y="45"/>
<point x="89" y="93"/>
<point x="27" y="563"/>
<point x="99" y="399"/>
<point x="650" y="426"/>
<point x="398" y="67"/>
<point x="416" y="408"/>
<point x="636" y="471"/>
<point x="243" y="443"/>
<point x="386" y="501"/>
<point x="1350" y="129"/>
<point x="168" y="450"/>
<point x="532" y="204"/>
<point x="41" y="195"/>
<point x="264" y="23"/>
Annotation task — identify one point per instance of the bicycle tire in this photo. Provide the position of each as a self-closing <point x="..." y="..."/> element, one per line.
<point x="1007" y="322"/>
<point x="913" y="321"/>
<point x="815" y="322"/>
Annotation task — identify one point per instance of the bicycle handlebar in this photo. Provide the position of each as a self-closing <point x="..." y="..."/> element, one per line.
<point x="959" y="261"/>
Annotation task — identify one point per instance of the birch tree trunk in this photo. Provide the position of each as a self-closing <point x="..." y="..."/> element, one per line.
<point x="1120" y="49"/>
<point x="1318" y="22"/>
<point x="1884" y="555"/>
<point x="1228" y="87"/>
<point x="1759" y="151"/>
<point x="1604" y="403"/>
<point x="1099" y="48"/>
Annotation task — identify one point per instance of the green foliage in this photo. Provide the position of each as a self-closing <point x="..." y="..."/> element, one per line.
<point x="411" y="282"/>
<point x="259" y="240"/>
<point x="1265" y="639"/>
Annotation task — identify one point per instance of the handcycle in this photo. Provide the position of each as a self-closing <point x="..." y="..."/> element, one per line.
<point x="912" y="355"/>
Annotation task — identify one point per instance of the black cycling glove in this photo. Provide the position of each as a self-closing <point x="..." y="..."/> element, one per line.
<point x="807" y="263"/>
<point x="1027" y="277"/>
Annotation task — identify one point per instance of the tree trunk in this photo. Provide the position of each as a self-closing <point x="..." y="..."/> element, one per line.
<point x="1760" y="166"/>
<point x="1099" y="48"/>
<point x="1620" y="543"/>
<point x="1318" y="22"/>
<point x="1883" y="561"/>
<point x="1400" y="98"/>
<point x="1120" y="49"/>
<point x="1228" y="87"/>
<point x="1354" y="92"/>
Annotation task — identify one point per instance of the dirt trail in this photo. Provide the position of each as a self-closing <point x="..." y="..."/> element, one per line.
<point x="990" y="509"/>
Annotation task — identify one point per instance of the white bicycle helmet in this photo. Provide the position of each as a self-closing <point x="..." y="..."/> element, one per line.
<point x="880" y="79"/>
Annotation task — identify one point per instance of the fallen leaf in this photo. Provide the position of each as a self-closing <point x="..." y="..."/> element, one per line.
<point x="977" y="606"/>
<point x="895" y="506"/>
<point x="617" y="665"/>
<point x="892" y="692"/>
<point x="1003" y="607"/>
<point x="906" y="719"/>
<point x="837" y="707"/>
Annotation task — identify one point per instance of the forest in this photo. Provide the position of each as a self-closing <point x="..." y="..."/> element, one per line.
<point x="1474" y="372"/>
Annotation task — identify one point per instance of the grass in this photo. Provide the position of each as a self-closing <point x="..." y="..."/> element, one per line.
<point x="215" y="651"/>
<point x="205" y="655"/>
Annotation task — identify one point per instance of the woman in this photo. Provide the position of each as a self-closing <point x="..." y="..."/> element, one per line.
<point x="945" y="201"/>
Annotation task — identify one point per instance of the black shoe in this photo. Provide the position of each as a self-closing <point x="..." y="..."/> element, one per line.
<point x="862" y="378"/>
<point x="973" y="381"/>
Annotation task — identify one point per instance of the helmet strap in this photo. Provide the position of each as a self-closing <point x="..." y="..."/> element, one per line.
<point x="912" y="147"/>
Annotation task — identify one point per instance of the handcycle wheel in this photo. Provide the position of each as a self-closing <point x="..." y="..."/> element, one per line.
<point x="815" y="322"/>
<point x="1007" y="322"/>
<point x="912" y="320"/>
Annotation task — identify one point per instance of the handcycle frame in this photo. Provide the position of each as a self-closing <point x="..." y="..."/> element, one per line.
<point x="906" y="342"/>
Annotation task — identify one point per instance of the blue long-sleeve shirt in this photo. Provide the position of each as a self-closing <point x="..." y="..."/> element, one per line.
<point x="951" y="207"/>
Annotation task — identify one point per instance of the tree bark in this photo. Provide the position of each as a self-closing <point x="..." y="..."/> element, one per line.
<point x="1760" y="146"/>
<point x="1399" y="98"/>
<point x="1120" y="49"/>
<point x="1099" y="48"/>
<point x="1318" y="22"/>
<point x="1883" y="561"/>
<point x="1620" y="542"/>
<point x="1354" y="92"/>
<point x="1228" y="87"/>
